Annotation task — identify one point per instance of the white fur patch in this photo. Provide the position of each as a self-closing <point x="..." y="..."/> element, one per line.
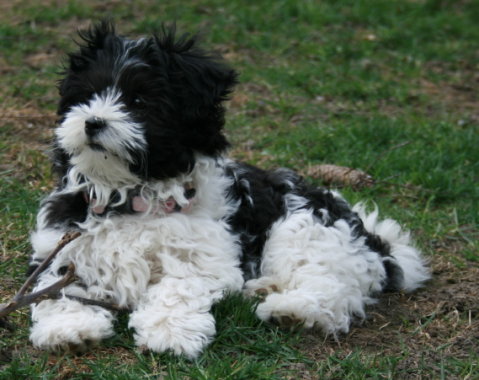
<point x="107" y="167"/>
<point x="408" y="257"/>
<point x="323" y="275"/>
<point x="169" y="269"/>
<point x="45" y="241"/>
<point x="61" y="324"/>
<point x="119" y="136"/>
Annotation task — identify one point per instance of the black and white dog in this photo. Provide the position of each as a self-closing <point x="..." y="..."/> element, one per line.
<point x="170" y="225"/>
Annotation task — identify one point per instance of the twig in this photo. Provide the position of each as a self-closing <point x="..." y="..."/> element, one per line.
<point x="51" y="291"/>
<point x="21" y="299"/>
<point x="67" y="238"/>
<point x="105" y="305"/>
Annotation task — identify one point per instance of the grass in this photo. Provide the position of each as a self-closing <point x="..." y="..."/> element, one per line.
<point x="386" y="86"/>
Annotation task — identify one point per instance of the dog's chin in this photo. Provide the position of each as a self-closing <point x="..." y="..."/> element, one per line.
<point x="99" y="166"/>
<point x="97" y="147"/>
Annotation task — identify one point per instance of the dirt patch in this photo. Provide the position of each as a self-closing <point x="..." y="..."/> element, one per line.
<point x="80" y="363"/>
<point x="458" y="94"/>
<point x="6" y="7"/>
<point x="437" y="323"/>
<point x="39" y="60"/>
<point x="29" y="132"/>
<point x="28" y="123"/>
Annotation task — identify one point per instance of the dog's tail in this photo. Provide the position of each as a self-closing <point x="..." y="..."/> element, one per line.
<point x="413" y="264"/>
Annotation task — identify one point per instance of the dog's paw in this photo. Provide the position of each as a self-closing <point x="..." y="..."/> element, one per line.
<point x="289" y="322"/>
<point x="261" y="287"/>
<point x="70" y="347"/>
<point x="182" y="333"/>
<point x="74" y="329"/>
<point x="290" y="311"/>
<point x="300" y="307"/>
<point x="285" y="319"/>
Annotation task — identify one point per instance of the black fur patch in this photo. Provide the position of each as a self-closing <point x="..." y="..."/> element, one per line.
<point x="65" y="210"/>
<point x="262" y="202"/>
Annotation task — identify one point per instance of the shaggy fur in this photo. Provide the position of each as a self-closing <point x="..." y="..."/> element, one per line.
<point x="170" y="225"/>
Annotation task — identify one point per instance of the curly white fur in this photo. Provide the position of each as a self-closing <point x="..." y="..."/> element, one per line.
<point x="169" y="270"/>
<point x="414" y="266"/>
<point x="323" y="276"/>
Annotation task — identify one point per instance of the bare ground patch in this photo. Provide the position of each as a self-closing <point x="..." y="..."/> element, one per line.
<point x="457" y="93"/>
<point x="437" y="323"/>
<point x="29" y="131"/>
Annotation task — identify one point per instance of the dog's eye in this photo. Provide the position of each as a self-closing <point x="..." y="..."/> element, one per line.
<point x="138" y="101"/>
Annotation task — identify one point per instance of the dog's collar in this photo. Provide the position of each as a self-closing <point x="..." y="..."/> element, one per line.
<point x="137" y="204"/>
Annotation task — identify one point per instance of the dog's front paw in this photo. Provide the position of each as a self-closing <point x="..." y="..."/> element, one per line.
<point x="182" y="333"/>
<point x="262" y="287"/>
<point x="69" y="326"/>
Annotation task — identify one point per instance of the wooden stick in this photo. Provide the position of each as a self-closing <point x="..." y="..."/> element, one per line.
<point x="50" y="291"/>
<point x="21" y="299"/>
<point x="67" y="238"/>
<point x="105" y="305"/>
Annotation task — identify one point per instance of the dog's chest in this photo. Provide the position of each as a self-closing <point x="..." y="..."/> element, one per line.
<point x="120" y="257"/>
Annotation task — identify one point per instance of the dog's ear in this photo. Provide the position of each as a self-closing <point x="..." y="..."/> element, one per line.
<point x="204" y="74"/>
<point x="73" y="87"/>
<point x="201" y="82"/>
<point x="91" y="40"/>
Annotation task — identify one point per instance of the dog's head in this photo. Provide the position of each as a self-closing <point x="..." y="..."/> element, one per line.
<point x="139" y="110"/>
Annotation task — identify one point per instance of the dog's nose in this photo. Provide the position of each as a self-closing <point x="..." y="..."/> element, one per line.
<point x="94" y="125"/>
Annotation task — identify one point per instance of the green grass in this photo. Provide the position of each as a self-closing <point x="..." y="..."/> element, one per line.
<point x="389" y="87"/>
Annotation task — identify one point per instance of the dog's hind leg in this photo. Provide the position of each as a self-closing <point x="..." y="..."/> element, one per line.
<point x="315" y="275"/>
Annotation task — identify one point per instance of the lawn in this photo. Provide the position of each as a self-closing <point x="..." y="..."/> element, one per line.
<point x="389" y="87"/>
